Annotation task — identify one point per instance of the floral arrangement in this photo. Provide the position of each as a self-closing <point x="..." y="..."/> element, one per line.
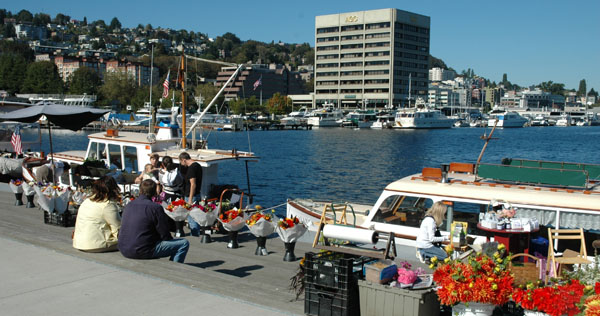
<point x="232" y="220"/>
<point x="260" y="222"/>
<point x="16" y="185"/>
<point x="592" y="303"/>
<point x="204" y="213"/>
<point x="290" y="229"/>
<point x="507" y="212"/>
<point x="178" y="210"/>
<point x="53" y="197"/>
<point x="28" y="188"/>
<point x="482" y="279"/>
<point x="407" y="276"/>
<point x="553" y="300"/>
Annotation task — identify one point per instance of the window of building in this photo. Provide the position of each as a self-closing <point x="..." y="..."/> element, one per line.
<point x="347" y="28"/>
<point x="326" y="48"/>
<point x="352" y="46"/>
<point x="377" y="72"/>
<point x="380" y="90"/>
<point x="328" y="30"/>
<point x="377" y="81"/>
<point x="351" y="64"/>
<point x="381" y="25"/>
<point x="377" y="63"/>
<point x="376" y="54"/>
<point x="349" y="82"/>
<point x="327" y="39"/>
<point x="330" y="56"/>
<point x="327" y="65"/>
<point x="351" y="73"/>
<point x="327" y="74"/>
<point x="351" y="55"/>
<point x="377" y="35"/>
<point x="352" y="37"/>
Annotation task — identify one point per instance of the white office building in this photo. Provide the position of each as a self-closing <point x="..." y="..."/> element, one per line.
<point x="371" y="57"/>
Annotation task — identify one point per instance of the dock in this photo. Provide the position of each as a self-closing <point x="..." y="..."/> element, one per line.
<point x="41" y="261"/>
<point x="252" y="126"/>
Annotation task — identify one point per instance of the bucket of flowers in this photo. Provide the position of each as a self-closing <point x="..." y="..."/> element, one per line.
<point x="178" y="210"/>
<point x="474" y="285"/>
<point x="16" y="185"/>
<point x="232" y="220"/>
<point x="553" y="300"/>
<point x="289" y="230"/>
<point x="261" y="226"/>
<point x="29" y="193"/>
<point x="53" y="198"/>
<point x="205" y="214"/>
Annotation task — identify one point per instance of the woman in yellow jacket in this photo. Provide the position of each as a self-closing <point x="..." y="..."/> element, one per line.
<point x="98" y="220"/>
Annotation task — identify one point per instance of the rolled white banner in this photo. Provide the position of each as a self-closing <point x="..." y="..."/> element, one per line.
<point x="353" y="234"/>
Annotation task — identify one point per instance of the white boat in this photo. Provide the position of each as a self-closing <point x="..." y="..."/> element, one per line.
<point x="295" y="117"/>
<point x="461" y="123"/>
<point x="325" y="117"/>
<point x="564" y="121"/>
<point x="421" y="118"/>
<point x="539" y="120"/>
<point x="469" y="191"/>
<point x="505" y="119"/>
<point x="360" y="119"/>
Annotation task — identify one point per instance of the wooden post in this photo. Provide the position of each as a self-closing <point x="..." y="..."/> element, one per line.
<point x="487" y="140"/>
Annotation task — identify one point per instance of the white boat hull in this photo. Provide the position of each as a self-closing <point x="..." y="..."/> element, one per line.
<point x="323" y="122"/>
<point x="410" y="123"/>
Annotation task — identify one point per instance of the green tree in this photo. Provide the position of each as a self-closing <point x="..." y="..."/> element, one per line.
<point x="309" y="86"/>
<point x="436" y="62"/>
<point x="9" y="31"/>
<point x="24" y="16"/>
<point x="12" y="72"/>
<point x="41" y="19"/>
<point x="118" y="88"/>
<point x="84" y="21"/>
<point x="61" y="19"/>
<point x="84" y="80"/>
<point x="42" y="77"/>
<point x="16" y="48"/>
<point x="114" y="24"/>
<point x="245" y="106"/>
<point x="593" y="92"/>
<point x="552" y="87"/>
<point x="279" y="104"/>
<point x="582" y="88"/>
<point x="207" y="92"/>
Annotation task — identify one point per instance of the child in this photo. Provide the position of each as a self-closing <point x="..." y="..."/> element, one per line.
<point x="147" y="174"/>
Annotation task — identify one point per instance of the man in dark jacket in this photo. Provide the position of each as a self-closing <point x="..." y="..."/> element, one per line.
<point x="145" y="231"/>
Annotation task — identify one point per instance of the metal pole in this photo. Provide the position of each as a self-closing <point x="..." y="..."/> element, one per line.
<point x="152" y="109"/>
<point x="183" y="104"/>
<point x="248" y="182"/>
<point x="51" y="153"/>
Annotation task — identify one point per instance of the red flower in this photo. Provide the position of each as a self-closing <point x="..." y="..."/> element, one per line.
<point x="553" y="300"/>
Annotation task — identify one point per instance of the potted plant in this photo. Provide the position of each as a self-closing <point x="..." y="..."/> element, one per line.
<point x="474" y="285"/>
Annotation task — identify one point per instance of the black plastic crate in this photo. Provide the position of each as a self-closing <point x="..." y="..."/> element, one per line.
<point x="325" y="303"/>
<point x="332" y="271"/>
<point x="66" y="219"/>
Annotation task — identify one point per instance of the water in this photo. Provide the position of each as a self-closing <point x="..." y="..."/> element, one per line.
<point x="355" y="165"/>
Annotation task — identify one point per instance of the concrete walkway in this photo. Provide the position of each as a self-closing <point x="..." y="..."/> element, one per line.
<point x="39" y="281"/>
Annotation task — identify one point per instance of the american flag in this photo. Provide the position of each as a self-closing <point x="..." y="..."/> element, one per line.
<point x="166" y="86"/>
<point x="258" y="82"/>
<point x="16" y="140"/>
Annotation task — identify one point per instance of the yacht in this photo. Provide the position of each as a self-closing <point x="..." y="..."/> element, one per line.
<point x="295" y="117"/>
<point x="505" y="119"/>
<point x="421" y="118"/>
<point x="360" y="119"/>
<point x="564" y="120"/>
<point x="325" y="117"/>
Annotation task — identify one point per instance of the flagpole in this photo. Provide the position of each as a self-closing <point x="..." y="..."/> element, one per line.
<point x="183" y="125"/>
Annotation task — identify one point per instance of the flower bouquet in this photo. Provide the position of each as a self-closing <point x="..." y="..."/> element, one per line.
<point x="289" y="230"/>
<point x="29" y="193"/>
<point x="479" y="279"/>
<point x="53" y="198"/>
<point x="205" y="214"/>
<point x="232" y="220"/>
<point x="592" y="303"/>
<point x="406" y="276"/>
<point x="177" y="210"/>
<point x="16" y="185"/>
<point x="556" y="300"/>
<point x="261" y="225"/>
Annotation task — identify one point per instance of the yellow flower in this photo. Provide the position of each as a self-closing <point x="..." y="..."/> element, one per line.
<point x="447" y="260"/>
<point x="589" y="288"/>
<point x="431" y="266"/>
<point x="490" y="279"/>
<point x="471" y="285"/>
<point x="258" y="207"/>
<point x="494" y="286"/>
<point x="434" y="260"/>
<point x="501" y="246"/>
<point x="497" y="269"/>
<point x="496" y="255"/>
<point x="499" y="260"/>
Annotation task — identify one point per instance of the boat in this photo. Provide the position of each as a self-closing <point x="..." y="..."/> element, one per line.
<point x="295" y="117"/>
<point x="127" y="153"/>
<point x="360" y="119"/>
<point x="469" y="190"/>
<point x="426" y="118"/>
<point x="539" y="120"/>
<point x="461" y="123"/>
<point x="325" y="117"/>
<point x="505" y="119"/>
<point x="564" y="120"/>
<point x="385" y="119"/>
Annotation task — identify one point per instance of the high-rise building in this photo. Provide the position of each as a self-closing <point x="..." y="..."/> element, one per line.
<point x="371" y="58"/>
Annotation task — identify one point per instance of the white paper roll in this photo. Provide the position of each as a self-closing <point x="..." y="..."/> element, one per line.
<point x="357" y="235"/>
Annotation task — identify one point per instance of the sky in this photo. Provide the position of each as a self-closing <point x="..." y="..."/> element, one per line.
<point x="532" y="41"/>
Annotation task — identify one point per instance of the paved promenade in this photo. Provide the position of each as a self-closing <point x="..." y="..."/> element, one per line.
<point x="41" y="274"/>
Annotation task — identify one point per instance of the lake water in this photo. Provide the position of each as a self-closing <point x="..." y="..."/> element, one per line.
<point x="355" y="165"/>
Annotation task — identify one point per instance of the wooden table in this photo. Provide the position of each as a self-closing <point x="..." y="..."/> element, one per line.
<point x="515" y="240"/>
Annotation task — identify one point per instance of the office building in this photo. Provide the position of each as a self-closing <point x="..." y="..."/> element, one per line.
<point x="371" y="58"/>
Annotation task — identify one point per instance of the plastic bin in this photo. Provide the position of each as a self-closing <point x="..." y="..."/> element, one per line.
<point x="333" y="271"/>
<point x="66" y="219"/>
<point x="539" y="245"/>
<point x="382" y="300"/>
<point x="331" y="303"/>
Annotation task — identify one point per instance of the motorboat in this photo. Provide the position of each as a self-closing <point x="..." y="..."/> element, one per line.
<point x="461" y="123"/>
<point x="469" y="190"/>
<point x="360" y="119"/>
<point x="539" y="120"/>
<point x="564" y="121"/>
<point x="421" y="118"/>
<point x="325" y="117"/>
<point x="505" y="119"/>
<point x="295" y="117"/>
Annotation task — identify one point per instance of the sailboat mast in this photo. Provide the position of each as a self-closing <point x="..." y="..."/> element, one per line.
<point x="409" y="87"/>
<point x="183" y="102"/>
<point x="152" y="111"/>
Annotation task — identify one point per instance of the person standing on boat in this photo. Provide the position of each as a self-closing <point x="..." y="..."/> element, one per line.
<point x="192" y="186"/>
<point x="145" y="229"/>
<point x="156" y="165"/>
<point x="171" y="179"/>
<point x="98" y="221"/>
<point x="429" y="240"/>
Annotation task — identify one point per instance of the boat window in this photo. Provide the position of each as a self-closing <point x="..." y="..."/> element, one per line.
<point x="131" y="160"/>
<point x="468" y="212"/>
<point x="97" y="151"/>
<point x="402" y="210"/>
<point x="115" y="156"/>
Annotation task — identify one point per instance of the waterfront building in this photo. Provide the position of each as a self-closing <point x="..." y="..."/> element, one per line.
<point x="138" y="71"/>
<point x="68" y="65"/>
<point x="273" y="79"/>
<point x="370" y="57"/>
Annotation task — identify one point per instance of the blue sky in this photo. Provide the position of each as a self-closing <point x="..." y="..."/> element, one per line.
<point x="531" y="41"/>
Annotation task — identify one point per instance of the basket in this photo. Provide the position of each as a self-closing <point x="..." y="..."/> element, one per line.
<point x="525" y="272"/>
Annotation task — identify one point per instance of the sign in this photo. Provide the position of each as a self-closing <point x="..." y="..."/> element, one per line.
<point x="350" y="96"/>
<point x="352" y="18"/>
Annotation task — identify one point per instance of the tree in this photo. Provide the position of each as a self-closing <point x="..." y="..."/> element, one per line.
<point x="245" y="106"/>
<point x="552" y="87"/>
<point x="114" y="24"/>
<point x="207" y="92"/>
<point x="61" y="19"/>
<point x="279" y="104"/>
<point x="42" y="77"/>
<point x="118" y="88"/>
<point x="84" y="80"/>
<point x="12" y="72"/>
<point x="24" y="16"/>
<point x="436" y="63"/>
<point x="41" y="19"/>
<point x="84" y="21"/>
<point x="582" y="88"/>
<point x="17" y="48"/>
<point x="593" y="93"/>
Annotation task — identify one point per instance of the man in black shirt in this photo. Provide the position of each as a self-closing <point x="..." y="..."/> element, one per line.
<point x="192" y="185"/>
<point x="145" y="231"/>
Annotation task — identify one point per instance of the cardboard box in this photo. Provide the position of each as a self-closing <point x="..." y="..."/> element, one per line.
<point x="381" y="271"/>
